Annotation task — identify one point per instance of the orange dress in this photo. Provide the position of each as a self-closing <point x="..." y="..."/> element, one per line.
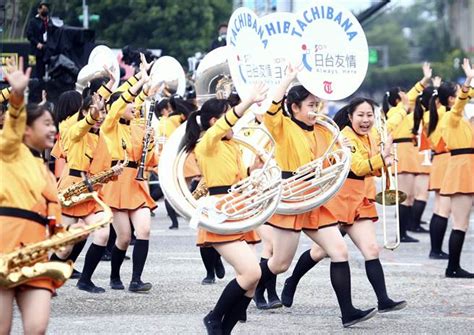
<point x="441" y="153"/>
<point x="126" y="193"/>
<point x="459" y="136"/>
<point x="86" y="152"/>
<point x="28" y="193"/>
<point x="296" y="145"/>
<point x="221" y="164"/>
<point x="353" y="201"/>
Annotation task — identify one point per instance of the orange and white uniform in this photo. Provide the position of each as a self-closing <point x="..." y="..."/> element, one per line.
<point x="458" y="133"/>
<point x="296" y="145"/>
<point x="409" y="157"/>
<point x="220" y="162"/>
<point x="353" y="201"/>
<point x="126" y="193"/>
<point x="28" y="193"/>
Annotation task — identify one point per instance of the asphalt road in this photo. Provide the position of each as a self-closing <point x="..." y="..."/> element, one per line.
<point x="178" y="301"/>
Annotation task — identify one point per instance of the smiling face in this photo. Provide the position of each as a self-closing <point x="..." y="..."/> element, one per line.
<point x="362" y="119"/>
<point x="305" y="112"/>
<point x="41" y="134"/>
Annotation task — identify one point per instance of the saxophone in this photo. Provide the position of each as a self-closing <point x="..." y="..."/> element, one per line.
<point x="24" y="264"/>
<point x="70" y="195"/>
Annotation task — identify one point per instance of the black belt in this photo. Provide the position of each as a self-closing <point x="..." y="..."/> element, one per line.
<point x="352" y="175"/>
<point x="440" y="153"/>
<point x="133" y="165"/>
<point x="75" y="173"/>
<point x="219" y="189"/>
<point x="403" y="140"/>
<point x="463" y="151"/>
<point x="286" y="174"/>
<point x="125" y="122"/>
<point x="23" y="214"/>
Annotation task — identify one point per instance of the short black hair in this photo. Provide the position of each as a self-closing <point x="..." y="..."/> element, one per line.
<point x="43" y="3"/>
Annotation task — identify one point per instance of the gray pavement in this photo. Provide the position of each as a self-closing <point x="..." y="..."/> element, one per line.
<point x="178" y="302"/>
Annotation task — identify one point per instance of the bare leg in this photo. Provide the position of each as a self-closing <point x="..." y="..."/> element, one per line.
<point x="35" y="306"/>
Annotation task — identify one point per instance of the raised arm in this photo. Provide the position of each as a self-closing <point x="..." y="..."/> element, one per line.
<point x="420" y="86"/>
<point x="463" y="96"/>
<point x="15" y="120"/>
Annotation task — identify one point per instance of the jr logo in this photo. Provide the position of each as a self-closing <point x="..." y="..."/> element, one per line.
<point x="327" y="87"/>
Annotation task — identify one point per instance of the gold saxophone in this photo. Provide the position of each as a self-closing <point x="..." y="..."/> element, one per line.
<point x="69" y="196"/>
<point x="24" y="264"/>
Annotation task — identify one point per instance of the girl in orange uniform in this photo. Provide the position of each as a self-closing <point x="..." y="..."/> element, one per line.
<point x="298" y="142"/>
<point x="220" y="161"/>
<point x="26" y="200"/>
<point x="352" y="205"/>
<point x="412" y="176"/>
<point x="129" y="198"/>
<point x="432" y="103"/>
<point x="458" y="183"/>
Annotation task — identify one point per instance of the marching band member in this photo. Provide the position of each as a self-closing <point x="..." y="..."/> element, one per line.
<point x="87" y="153"/>
<point x="352" y="206"/>
<point x="299" y="141"/>
<point x="221" y="164"/>
<point x="431" y="103"/>
<point x="458" y="183"/>
<point x="26" y="200"/>
<point x="409" y="162"/>
<point x="129" y="199"/>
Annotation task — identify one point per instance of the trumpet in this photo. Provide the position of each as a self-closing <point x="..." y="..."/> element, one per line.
<point x="390" y="194"/>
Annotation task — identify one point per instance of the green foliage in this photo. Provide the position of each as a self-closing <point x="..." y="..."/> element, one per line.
<point x="390" y="33"/>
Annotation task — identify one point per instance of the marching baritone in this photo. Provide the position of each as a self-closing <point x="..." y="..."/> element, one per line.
<point x="220" y="161"/>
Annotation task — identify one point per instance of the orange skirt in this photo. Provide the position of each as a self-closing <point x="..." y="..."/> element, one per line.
<point x="370" y="188"/>
<point x="410" y="159"/>
<point x="206" y="238"/>
<point x="459" y="178"/>
<point x="127" y="193"/>
<point x="191" y="168"/>
<point x="16" y="232"/>
<point x="438" y="171"/>
<point x="351" y="203"/>
<point x="80" y="210"/>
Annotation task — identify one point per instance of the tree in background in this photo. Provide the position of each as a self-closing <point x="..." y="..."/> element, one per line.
<point x="179" y="28"/>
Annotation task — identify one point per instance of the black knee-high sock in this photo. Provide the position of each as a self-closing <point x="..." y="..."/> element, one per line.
<point x="117" y="258"/>
<point x="93" y="256"/>
<point x="405" y="218"/>
<point x="231" y="295"/>
<point x="111" y="240"/>
<point x="456" y="240"/>
<point x="304" y="264"/>
<point x="417" y="212"/>
<point x="438" y="225"/>
<point x="266" y="274"/>
<point x="208" y="256"/>
<point x="374" y="271"/>
<point x="140" y="253"/>
<point x="171" y="213"/>
<point x="231" y="319"/>
<point x="76" y="250"/>
<point x="341" y="283"/>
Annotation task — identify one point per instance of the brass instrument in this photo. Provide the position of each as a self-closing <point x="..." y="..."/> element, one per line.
<point x="316" y="182"/>
<point x="101" y="55"/>
<point x="21" y="265"/>
<point x="390" y="194"/>
<point x="248" y="204"/>
<point x="168" y="70"/>
<point x="70" y="196"/>
<point x="146" y="142"/>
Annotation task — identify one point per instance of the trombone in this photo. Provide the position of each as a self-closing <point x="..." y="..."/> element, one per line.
<point x="390" y="194"/>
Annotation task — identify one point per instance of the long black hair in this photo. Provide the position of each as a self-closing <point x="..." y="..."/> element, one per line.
<point x="446" y="90"/>
<point x="68" y="104"/>
<point x="212" y="108"/>
<point x="160" y="106"/>
<point x="94" y="86"/>
<point x="390" y="99"/>
<point x="342" y="116"/>
<point x="422" y="104"/>
<point x="181" y="107"/>
<point x="296" y="95"/>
